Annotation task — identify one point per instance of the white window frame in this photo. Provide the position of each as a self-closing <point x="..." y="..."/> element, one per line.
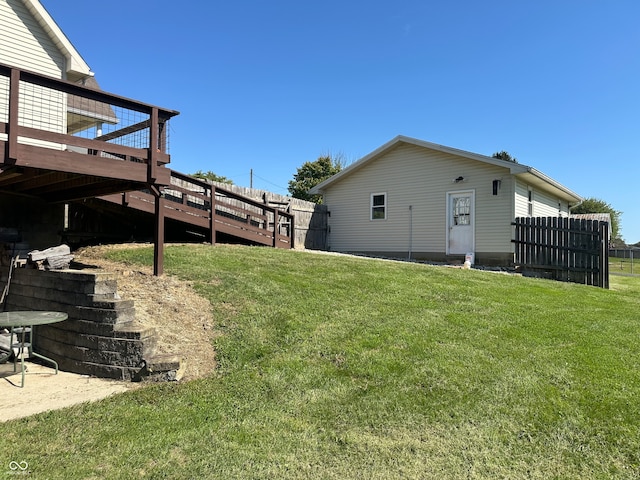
<point x="384" y="206"/>
<point x="530" y="201"/>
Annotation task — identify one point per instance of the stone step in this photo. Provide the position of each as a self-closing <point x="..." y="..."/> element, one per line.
<point x="160" y="368"/>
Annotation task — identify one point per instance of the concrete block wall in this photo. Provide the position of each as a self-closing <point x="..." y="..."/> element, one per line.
<point x="100" y="337"/>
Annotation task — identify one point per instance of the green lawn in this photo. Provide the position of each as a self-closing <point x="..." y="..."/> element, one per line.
<point x="336" y="368"/>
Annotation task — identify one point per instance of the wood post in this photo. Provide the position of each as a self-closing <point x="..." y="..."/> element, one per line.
<point x="14" y="100"/>
<point x="153" y="147"/>
<point x="275" y="228"/>
<point x="292" y="232"/>
<point x="212" y="215"/>
<point x="604" y="255"/>
<point x="158" y="234"/>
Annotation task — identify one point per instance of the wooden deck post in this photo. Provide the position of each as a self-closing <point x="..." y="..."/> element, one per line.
<point x="14" y="98"/>
<point x="158" y="247"/>
<point x="275" y="228"/>
<point x="212" y="215"/>
<point x="152" y="167"/>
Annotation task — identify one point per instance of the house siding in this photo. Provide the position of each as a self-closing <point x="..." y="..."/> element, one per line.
<point x="414" y="176"/>
<point x="521" y="199"/>
<point x="544" y="203"/>
<point x="27" y="46"/>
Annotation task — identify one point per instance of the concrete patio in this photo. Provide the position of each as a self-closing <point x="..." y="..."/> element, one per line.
<point x="44" y="390"/>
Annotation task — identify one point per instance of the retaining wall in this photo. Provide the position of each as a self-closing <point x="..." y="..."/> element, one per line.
<point x="100" y="337"/>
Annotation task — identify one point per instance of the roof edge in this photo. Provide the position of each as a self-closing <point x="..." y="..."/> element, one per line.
<point x="545" y="178"/>
<point x="75" y="63"/>
<point x="517" y="169"/>
<point x="513" y="167"/>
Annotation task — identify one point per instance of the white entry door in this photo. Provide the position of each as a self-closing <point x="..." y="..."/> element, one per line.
<point x="460" y="223"/>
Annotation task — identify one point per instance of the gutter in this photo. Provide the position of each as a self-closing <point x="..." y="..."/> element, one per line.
<point x="538" y="174"/>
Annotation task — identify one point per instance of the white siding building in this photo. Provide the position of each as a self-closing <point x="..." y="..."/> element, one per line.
<point x="415" y="199"/>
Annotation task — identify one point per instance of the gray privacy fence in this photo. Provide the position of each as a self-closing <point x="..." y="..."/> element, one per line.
<point x="561" y="248"/>
<point x="310" y="219"/>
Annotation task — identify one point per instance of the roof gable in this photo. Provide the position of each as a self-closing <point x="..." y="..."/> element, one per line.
<point x="76" y="67"/>
<point x="529" y="174"/>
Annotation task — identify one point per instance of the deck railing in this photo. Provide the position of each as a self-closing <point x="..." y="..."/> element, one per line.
<point x="198" y="202"/>
<point x="90" y="131"/>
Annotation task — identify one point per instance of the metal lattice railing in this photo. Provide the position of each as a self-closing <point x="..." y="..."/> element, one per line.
<point x="54" y="106"/>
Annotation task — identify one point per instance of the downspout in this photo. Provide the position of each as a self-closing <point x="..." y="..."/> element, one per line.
<point x="410" y="231"/>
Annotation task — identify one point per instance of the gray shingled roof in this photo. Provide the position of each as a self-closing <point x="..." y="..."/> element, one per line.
<point x="84" y="113"/>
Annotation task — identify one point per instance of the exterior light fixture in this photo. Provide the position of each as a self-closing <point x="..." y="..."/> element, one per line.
<point x="459" y="179"/>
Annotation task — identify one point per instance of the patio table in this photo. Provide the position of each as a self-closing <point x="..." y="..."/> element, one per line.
<point x="20" y="322"/>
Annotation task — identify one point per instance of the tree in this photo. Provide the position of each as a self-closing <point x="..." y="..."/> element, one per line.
<point x="595" y="205"/>
<point x="502" y="155"/>
<point x="311" y="174"/>
<point x="212" y="176"/>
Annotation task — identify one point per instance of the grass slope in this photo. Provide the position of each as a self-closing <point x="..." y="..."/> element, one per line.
<point x="339" y="367"/>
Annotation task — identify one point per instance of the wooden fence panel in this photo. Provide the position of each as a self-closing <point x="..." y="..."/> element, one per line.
<point x="311" y="220"/>
<point x="563" y="248"/>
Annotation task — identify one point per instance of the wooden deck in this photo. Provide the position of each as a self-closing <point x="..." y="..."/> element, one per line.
<point x="64" y="142"/>
<point x="40" y="156"/>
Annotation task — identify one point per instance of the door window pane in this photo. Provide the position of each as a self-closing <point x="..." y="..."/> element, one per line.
<point x="461" y="210"/>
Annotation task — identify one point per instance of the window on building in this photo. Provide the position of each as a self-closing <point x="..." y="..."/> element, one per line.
<point x="530" y="203"/>
<point x="378" y="206"/>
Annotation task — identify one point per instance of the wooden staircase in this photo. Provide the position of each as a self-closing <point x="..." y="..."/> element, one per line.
<point x="196" y="202"/>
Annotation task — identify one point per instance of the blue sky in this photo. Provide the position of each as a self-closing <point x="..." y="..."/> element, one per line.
<point x="269" y="85"/>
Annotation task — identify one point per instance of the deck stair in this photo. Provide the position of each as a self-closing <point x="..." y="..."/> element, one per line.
<point x="192" y="201"/>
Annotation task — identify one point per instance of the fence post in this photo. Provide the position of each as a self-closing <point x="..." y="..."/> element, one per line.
<point x="292" y="232"/>
<point x="555" y="254"/>
<point x="604" y="255"/>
